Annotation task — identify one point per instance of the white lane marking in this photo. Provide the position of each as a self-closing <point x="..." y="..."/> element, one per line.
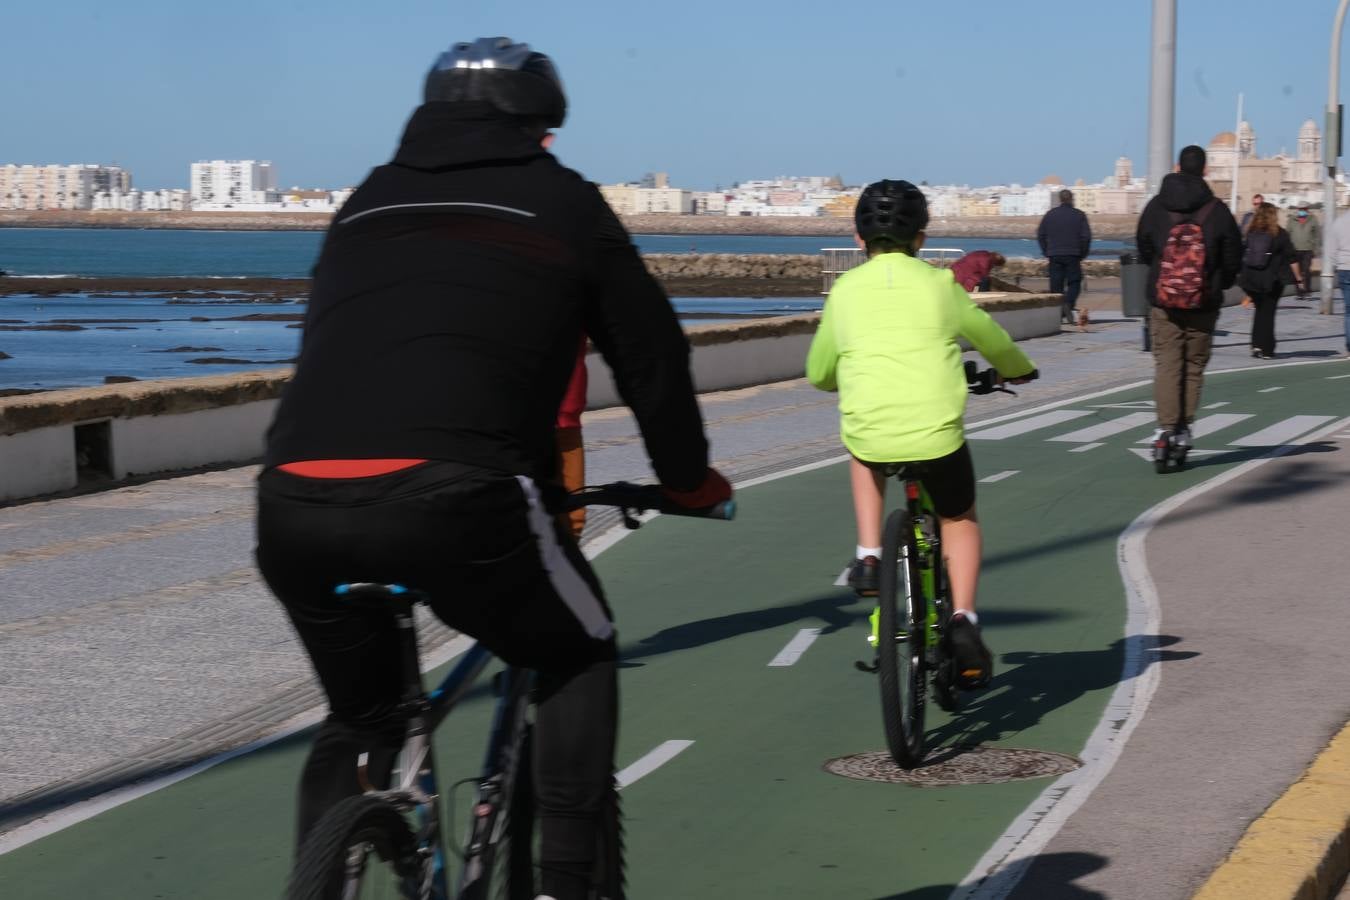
<point x="1012" y="429"/>
<point x="998" y="871"/>
<point x="1270" y="389"/>
<point x="1000" y="476"/>
<point x="1146" y="453"/>
<point x="842" y="580"/>
<point x="1336" y="377"/>
<point x="1218" y="405"/>
<point x="76" y="813"/>
<point x="1209" y="424"/>
<point x="1086" y="447"/>
<point x="795" y="647"/>
<point x="1137" y="404"/>
<point x="1106" y="429"/>
<point x="654" y="760"/>
<point x="1280" y="432"/>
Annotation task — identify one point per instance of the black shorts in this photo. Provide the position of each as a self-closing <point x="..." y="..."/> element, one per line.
<point x="949" y="480"/>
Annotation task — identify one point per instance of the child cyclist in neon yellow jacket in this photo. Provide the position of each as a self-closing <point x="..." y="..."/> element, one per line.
<point x="887" y="343"/>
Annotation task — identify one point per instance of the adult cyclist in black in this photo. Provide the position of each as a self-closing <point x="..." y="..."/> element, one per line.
<point x="415" y="443"/>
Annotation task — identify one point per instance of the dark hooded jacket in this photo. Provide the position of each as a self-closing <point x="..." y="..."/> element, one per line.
<point x="1180" y="198"/>
<point x="448" y="301"/>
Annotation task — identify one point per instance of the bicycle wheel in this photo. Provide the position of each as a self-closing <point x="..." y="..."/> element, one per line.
<point x="361" y="849"/>
<point x="502" y="868"/>
<point x="900" y="641"/>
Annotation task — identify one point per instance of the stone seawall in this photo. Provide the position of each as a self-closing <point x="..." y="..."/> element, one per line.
<point x="1109" y="227"/>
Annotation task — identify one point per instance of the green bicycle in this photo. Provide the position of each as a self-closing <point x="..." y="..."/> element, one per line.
<point x="914" y="610"/>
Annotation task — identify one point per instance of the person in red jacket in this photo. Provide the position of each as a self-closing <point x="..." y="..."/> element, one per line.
<point x="973" y="269"/>
<point x="571" y="453"/>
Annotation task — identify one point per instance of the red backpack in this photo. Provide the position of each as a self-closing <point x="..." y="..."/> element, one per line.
<point x="1181" y="277"/>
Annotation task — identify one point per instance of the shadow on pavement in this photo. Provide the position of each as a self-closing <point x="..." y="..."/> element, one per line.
<point x="1265" y="488"/>
<point x="1019" y="698"/>
<point x="1065" y="867"/>
<point x="25" y="808"/>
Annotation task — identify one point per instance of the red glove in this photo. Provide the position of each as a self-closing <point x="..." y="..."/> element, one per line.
<point x="714" y="489"/>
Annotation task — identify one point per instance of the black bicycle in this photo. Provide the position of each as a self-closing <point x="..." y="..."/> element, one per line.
<point x="910" y="623"/>
<point x="388" y="843"/>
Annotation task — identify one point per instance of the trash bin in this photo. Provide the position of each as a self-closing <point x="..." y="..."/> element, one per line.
<point x="1133" y="285"/>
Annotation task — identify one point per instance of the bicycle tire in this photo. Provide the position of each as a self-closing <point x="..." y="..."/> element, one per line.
<point x="902" y="621"/>
<point x="323" y="868"/>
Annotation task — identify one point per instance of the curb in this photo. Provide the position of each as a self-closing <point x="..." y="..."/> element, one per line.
<point x="1299" y="849"/>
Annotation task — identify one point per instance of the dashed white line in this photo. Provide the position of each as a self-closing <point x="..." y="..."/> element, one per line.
<point x="1086" y="447"/>
<point x="1281" y="432"/>
<point x="1218" y="405"/>
<point x="1335" y="377"/>
<point x="1106" y="429"/>
<point x="1270" y="389"/>
<point x="1207" y="425"/>
<point x="795" y="647"/>
<point x="1000" y="476"/>
<point x="1022" y="426"/>
<point x="654" y="760"/>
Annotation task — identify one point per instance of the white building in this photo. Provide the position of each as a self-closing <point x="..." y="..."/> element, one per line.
<point x="58" y="187"/>
<point x="232" y="184"/>
<point x="710" y="203"/>
<point x="663" y="200"/>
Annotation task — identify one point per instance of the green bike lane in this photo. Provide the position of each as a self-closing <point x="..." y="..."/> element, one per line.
<point x="746" y="809"/>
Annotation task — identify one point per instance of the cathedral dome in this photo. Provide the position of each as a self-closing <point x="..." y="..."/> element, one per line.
<point x="1222" y="140"/>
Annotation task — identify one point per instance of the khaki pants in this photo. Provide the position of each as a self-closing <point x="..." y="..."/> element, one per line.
<point x="1181" y="345"/>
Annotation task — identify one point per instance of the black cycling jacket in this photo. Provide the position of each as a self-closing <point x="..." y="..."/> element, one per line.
<point x="448" y="300"/>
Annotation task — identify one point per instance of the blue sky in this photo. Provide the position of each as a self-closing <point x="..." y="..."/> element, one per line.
<point x="966" y="91"/>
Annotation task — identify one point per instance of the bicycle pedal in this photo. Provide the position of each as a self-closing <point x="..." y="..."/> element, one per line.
<point x="865" y="667"/>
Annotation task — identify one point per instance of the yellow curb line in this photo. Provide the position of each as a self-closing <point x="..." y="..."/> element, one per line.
<point x="1299" y="849"/>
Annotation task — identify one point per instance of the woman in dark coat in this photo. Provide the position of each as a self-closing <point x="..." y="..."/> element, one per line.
<point x="1267" y="258"/>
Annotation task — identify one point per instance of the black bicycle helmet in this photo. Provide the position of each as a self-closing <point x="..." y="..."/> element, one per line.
<point x="891" y="209"/>
<point x="512" y="77"/>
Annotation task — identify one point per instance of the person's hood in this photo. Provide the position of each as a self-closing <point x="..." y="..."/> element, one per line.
<point x="440" y="135"/>
<point x="1183" y="193"/>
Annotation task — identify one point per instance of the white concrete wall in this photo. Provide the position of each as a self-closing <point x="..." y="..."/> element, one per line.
<point x="37" y="462"/>
<point x="42" y="461"/>
<point x="148" y="444"/>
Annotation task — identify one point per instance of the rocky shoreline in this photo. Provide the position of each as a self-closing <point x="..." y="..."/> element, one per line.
<point x="682" y="275"/>
<point x="1107" y="227"/>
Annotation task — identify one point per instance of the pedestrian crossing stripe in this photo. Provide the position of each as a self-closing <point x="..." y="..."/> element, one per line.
<point x="1272" y="435"/>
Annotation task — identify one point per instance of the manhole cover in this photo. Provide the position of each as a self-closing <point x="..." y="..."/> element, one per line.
<point x="976" y="765"/>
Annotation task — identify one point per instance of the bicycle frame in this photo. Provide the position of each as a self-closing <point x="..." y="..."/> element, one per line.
<point x="417" y="787"/>
<point x="928" y="538"/>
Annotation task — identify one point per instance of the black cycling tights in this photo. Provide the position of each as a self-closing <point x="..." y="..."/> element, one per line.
<point x="475" y="543"/>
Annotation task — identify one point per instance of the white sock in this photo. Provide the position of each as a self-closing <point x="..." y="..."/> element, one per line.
<point x="969" y="616"/>
<point x="864" y="552"/>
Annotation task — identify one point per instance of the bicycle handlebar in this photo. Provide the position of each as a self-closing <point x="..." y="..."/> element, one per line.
<point x="989" y="381"/>
<point x="641" y="497"/>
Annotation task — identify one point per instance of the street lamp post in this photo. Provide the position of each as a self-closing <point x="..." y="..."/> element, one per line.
<point x="1162" y="91"/>
<point x="1331" y="153"/>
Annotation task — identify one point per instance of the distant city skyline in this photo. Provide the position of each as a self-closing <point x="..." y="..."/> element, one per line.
<point x="968" y="93"/>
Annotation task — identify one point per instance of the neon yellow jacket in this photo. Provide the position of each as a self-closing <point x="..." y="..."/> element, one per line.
<point x="887" y="343"/>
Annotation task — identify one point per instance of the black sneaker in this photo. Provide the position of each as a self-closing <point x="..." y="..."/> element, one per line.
<point x="974" y="664"/>
<point x="863" y="576"/>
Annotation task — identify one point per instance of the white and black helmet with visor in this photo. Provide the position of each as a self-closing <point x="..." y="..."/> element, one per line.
<point x="511" y="77"/>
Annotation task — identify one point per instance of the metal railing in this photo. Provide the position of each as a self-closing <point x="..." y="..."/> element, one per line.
<point x="835" y="261"/>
